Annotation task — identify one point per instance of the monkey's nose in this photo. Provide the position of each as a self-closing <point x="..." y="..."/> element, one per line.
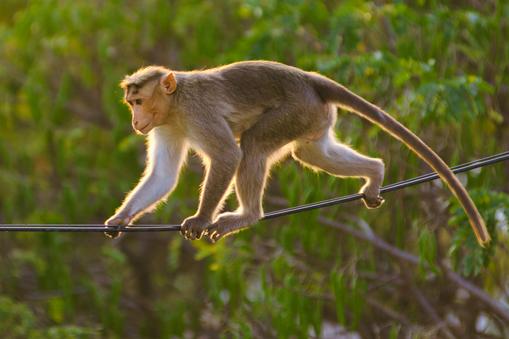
<point x="135" y="123"/>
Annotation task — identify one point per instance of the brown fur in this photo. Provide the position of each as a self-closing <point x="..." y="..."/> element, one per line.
<point x="240" y="118"/>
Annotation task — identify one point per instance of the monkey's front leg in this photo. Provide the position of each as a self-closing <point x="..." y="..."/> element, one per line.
<point x="218" y="178"/>
<point x="152" y="188"/>
<point x="165" y="156"/>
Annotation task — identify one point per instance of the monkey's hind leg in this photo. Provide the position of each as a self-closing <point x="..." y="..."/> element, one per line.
<point x="260" y="145"/>
<point x="249" y="186"/>
<point x="340" y="160"/>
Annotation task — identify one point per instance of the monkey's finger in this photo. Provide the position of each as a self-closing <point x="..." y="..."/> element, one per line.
<point x="198" y="234"/>
<point x="184" y="230"/>
<point x="189" y="234"/>
<point x="192" y="235"/>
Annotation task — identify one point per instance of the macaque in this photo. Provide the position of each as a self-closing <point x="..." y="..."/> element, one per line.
<point x="241" y="118"/>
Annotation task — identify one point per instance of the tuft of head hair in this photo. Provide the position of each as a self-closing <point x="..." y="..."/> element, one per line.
<point x="143" y="75"/>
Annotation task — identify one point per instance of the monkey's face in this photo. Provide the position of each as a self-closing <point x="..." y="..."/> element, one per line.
<point x="148" y="109"/>
<point x="149" y="103"/>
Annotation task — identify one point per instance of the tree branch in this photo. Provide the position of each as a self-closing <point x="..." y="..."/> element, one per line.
<point x="495" y="306"/>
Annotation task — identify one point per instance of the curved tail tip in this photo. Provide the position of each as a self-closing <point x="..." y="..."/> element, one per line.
<point x="482" y="234"/>
<point x="484" y="241"/>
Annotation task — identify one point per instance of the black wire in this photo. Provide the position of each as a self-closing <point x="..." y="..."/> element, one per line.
<point x="270" y="215"/>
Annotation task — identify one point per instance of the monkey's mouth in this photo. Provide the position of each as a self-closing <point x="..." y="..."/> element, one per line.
<point x="145" y="129"/>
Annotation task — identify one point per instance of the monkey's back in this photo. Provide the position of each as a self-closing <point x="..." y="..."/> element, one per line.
<point x="265" y="83"/>
<point x="256" y="88"/>
<point x="243" y="92"/>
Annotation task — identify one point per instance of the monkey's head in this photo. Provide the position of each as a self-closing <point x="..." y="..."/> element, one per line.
<point x="147" y="92"/>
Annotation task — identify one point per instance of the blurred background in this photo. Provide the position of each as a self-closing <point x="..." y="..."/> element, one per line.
<point x="408" y="269"/>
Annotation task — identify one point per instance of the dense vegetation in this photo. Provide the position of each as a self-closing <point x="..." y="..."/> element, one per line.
<point x="67" y="154"/>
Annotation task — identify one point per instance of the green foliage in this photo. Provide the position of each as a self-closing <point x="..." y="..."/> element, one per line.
<point x="427" y="251"/>
<point x="348" y="295"/>
<point x="18" y="321"/>
<point x="467" y="256"/>
<point x="67" y="154"/>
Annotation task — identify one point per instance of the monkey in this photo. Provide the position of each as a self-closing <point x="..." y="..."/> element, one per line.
<point x="240" y="119"/>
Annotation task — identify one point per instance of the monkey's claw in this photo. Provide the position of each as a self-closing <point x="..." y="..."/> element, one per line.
<point x="373" y="202"/>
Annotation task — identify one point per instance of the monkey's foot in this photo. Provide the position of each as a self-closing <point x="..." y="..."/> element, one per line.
<point x="115" y="222"/>
<point x="229" y="223"/>
<point x="193" y="227"/>
<point x="373" y="202"/>
<point x="371" y="195"/>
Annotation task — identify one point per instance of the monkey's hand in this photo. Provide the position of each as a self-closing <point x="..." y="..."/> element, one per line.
<point x="193" y="227"/>
<point x="116" y="221"/>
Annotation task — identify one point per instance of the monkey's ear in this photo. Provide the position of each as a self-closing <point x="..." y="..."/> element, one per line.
<point x="169" y="83"/>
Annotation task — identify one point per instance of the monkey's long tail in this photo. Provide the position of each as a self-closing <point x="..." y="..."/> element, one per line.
<point x="331" y="91"/>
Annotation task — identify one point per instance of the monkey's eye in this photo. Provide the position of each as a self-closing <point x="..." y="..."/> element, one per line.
<point x="138" y="101"/>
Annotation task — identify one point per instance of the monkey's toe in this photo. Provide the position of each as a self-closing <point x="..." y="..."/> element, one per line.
<point x="372" y="203"/>
<point x="215" y="233"/>
<point x="217" y="230"/>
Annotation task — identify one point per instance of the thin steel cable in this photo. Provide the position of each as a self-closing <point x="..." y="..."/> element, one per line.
<point x="270" y="215"/>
